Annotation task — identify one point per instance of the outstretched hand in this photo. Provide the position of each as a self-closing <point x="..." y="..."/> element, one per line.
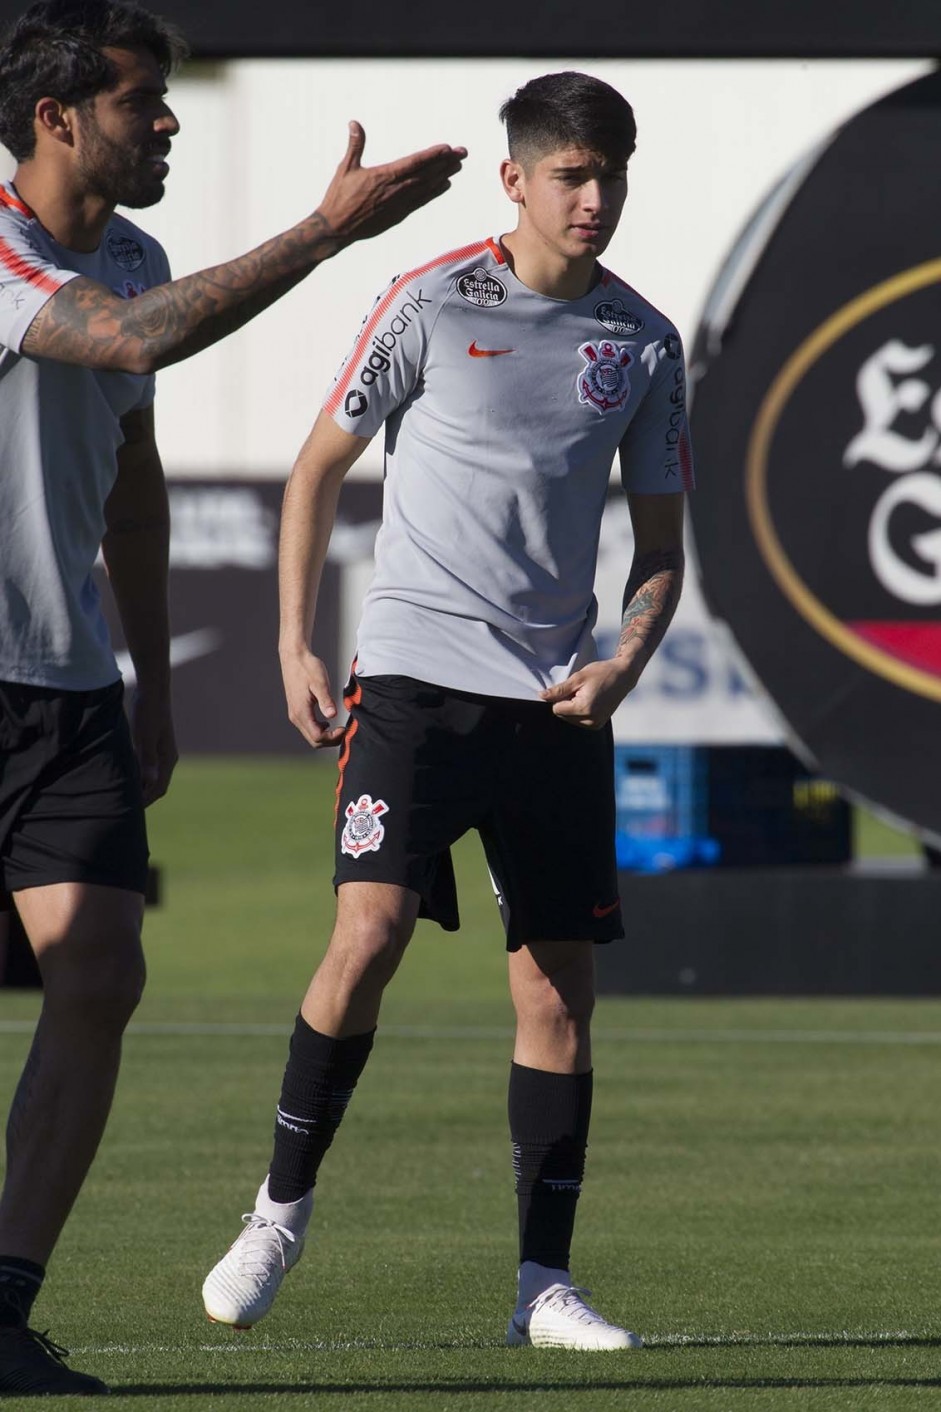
<point x="363" y="201"/>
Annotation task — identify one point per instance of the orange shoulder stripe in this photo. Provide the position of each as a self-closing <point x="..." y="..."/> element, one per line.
<point x="24" y="270"/>
<point x="466" y="252"/>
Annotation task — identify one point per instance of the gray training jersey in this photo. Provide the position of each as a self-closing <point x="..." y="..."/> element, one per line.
<point x="60" y="427"/>
<point x="503" y="412"/>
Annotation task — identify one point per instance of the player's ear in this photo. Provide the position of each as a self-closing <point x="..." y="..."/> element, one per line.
<point x="53" y="120"/>
<point x="513" y="178"/>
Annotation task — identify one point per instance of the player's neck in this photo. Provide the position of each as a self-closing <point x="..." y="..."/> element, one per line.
<point x="544" y="270"/>
<point x="75" y="218"/>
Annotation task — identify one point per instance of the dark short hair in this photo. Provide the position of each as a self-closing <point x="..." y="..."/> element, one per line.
<point x="54" y="51"/>
<point x="568" y="110"/>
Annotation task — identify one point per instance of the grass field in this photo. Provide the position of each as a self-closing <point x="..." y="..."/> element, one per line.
<point x="762" y="1198"/>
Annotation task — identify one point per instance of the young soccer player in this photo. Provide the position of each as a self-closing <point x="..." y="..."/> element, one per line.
<point x="87" y="313"/>
<point x="507" y="374"/>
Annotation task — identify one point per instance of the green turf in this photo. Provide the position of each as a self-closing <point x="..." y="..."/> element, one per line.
<point x="762" y="1201"/>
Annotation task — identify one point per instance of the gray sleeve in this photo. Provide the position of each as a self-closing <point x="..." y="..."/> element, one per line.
<point x="386" y="361"/>
<point x="655" y="451"/>
<point x="27" y="281"/>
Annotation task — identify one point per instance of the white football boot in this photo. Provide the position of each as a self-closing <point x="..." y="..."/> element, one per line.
<point x="242" y="1287"/>
<point x="560" y="1318"/>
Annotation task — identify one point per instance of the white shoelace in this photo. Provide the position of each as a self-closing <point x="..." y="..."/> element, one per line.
<point x="569" y="1300"/>
<point x="255" y="1255"/>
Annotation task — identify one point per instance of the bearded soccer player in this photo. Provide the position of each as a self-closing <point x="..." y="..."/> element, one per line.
<point x="86" y="317"/>
<point x="508" y="374"/>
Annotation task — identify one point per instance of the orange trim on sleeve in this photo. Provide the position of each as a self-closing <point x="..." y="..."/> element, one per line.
<point x="335" y="397"/>
<point x="495" y="250"/>
<point x="24" y="270"/>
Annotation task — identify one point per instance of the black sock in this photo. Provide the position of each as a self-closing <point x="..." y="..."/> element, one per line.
<point x="549" y="1117"/>
<point x="319" y="1080"/>
<point x="20" y="1282"/>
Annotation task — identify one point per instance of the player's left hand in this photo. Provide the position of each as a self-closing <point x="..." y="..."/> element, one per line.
<point x="364" y="201"/>
<point x="154" y="741"/>
<point x="590" y="696"/>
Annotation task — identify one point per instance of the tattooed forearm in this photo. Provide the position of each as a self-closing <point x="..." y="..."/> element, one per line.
<point x="650" y="599"/>
<point x="85" y="323"/>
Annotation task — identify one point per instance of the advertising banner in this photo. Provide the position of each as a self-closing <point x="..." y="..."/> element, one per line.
<point x="817" y="427"/>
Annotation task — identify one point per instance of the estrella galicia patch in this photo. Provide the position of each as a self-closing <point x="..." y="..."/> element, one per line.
<point x="603" y="382"/>
<point x="613" y="316"/>
<point x="482" y="289"/>
<point x="363" y="832"/>
<point x="125" y="250"/>
<point x="356" y="403"/>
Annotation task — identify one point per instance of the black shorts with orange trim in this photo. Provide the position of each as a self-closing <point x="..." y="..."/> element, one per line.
<point x="71" y="808"/>
<point x="422" y="765"/>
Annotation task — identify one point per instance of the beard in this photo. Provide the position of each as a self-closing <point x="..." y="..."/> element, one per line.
<point x="120" y="174"/>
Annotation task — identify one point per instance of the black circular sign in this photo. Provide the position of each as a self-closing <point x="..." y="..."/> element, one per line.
<point x="817" y="431"/>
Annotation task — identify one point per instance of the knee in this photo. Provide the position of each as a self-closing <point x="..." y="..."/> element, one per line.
<point x="562" y="1003"/>
<point x="101" y="995"/>
<point x="369" y="950"/>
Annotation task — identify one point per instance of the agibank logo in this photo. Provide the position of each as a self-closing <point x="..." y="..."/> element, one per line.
<point x="857" y="550"/>
<point x="378" y="360"/>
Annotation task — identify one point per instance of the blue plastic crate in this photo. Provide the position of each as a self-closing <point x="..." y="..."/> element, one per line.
<point x="662" y="808"/>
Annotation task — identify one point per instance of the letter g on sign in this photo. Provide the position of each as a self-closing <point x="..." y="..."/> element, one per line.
<point x="922" y="489"/>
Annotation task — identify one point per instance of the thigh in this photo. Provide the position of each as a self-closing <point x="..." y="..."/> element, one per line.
<point x="550" y="836"/>
<point x="71" y="808"/>
<point x="410" y="784"/>
<point x="80" y="923"/>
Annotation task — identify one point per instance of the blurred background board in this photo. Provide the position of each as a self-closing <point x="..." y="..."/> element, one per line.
<point x="231" y="28"/>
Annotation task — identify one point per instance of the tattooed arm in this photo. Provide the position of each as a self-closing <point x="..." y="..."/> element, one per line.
<point x="85" y="323"/>
<point x="590" y="697"/>
<point x="656" y="578"/>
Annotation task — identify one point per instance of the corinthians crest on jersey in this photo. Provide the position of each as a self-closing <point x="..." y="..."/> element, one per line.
<point x="363" y="833"/>
<point x="603" y="382"/>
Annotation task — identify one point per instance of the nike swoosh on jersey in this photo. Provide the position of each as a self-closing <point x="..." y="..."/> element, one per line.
<point x="476" y="352"/>
<point x="599" y="911"/>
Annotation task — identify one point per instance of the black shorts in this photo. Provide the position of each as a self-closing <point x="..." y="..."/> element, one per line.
<point x="70" y="797"/>
<point x="422" y="764"/>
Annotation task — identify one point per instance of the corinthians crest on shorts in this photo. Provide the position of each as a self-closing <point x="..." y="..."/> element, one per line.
<point x="603" y="382"/>
<point x="363" y="833"/>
